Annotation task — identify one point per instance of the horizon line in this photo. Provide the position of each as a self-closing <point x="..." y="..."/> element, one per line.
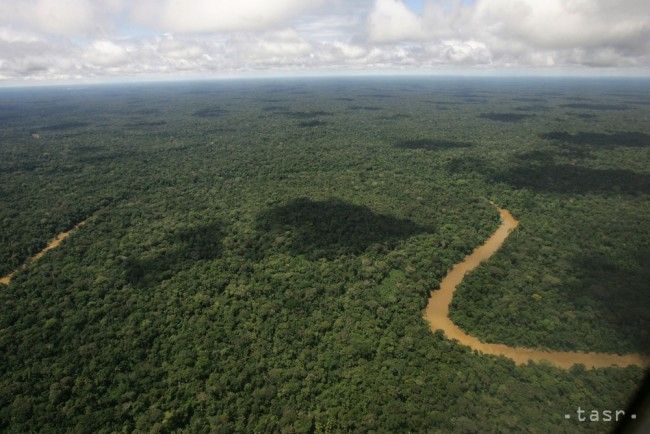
<point x="162" y="79"/>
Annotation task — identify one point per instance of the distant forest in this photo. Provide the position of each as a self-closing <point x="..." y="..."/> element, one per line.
<point x="256" y="255"/>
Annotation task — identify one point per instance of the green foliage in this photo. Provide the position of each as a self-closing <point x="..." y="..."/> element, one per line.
<point x="240" y="273"/>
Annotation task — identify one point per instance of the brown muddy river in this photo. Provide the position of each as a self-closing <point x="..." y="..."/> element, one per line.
<point x="437" y="314"/>
<point x="437" y="310"/>
<point x="54" y="243"/>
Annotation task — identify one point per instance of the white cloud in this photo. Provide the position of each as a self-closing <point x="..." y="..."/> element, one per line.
<point x="54" y="39"/>
<point x="173" y="48"/>
<point x="59" y="17"/>
<point x="460" y="52"/>
<point x="391" y="20"/>
<point x="106" y="53"/>
<point x="565" y="23"/>
<point x="286" y="43"/>
<point x="15" y="36"/>
<point x="349" y="51"/>
<point x="218" y="16"/>
<point x="526" y="32"/>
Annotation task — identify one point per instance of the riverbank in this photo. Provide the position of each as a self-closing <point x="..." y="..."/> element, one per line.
<point x="437" y="314"/>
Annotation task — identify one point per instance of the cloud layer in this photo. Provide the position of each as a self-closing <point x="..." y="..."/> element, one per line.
<point x="99" y="39"/>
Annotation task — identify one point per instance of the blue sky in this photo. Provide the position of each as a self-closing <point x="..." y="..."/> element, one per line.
<point x="101" y="40"/>
<point x="418" y="5"/>
<point x="415" y="5"/>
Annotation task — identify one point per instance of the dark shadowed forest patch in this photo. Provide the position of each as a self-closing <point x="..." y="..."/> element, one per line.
<point x="180" y="250"/>
<point x="145" y="124"/>
<point x="218" y="130"/>
<point x="603" y="140"/>
<point x="589" y="106"/>
<point x="607" y="284"/>
<point x="529" y="99"/>
<point x="297" y="91"/>
<point x="467" y="165"/>
<point x="102" y="158"/>
<point x="474" y="100"/>
<point x="537" y="155"/>
<point x="312" y="123"/>
<point x="274" y="108"/>
<point x="431" y="144"/>
<point x="465" y="94"/>
<point x="147" y="111"/>
<point x="26" y="166"/>
<point x="377" y="95"/>
<point x="532" y="108"/>
<point x="210" y="112"/>
<point x="332" y="227"/>
<point x="505" y="117"/>
<point x="568" y="178"/>
<point x="305" y="114"/>
<point x="65" y="126"/>
<point x="546" y="155"/>
<point x="394" y="117"/>
<point x="364" y="107"/>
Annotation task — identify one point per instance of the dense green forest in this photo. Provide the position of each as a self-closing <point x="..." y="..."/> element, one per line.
<point x="257" y="254"/>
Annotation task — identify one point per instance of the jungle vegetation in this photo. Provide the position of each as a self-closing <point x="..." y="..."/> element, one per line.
<point x="257" y="254"/>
